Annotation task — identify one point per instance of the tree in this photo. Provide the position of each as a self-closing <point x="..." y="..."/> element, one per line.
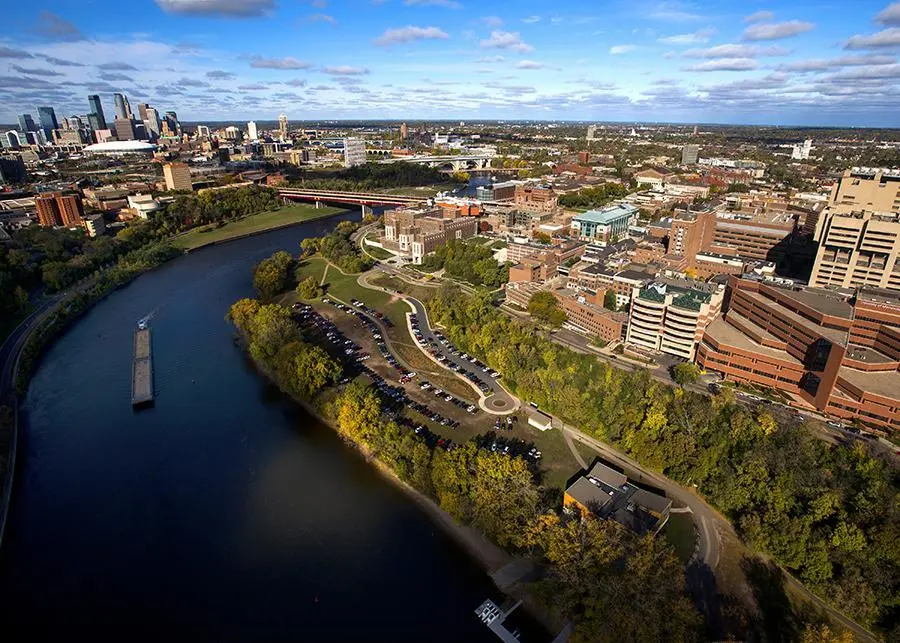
<point x="272" y="276"/>
<point x="609" y="300"/>
<point x="304" y="370"/>
<point x="685" y="373"/>
<point x="544" y="307"/>
<point x="309" y="289"/>
<point x="504" y="497"/>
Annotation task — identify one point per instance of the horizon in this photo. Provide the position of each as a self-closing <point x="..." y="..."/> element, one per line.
<point x="673" y="62"/>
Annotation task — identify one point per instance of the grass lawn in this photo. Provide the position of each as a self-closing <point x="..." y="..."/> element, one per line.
<point x="287" y="215"/>
<point x="375" y="251"/>
<point x="312" y="267"/>
<point x="346" y="287"/>
<point x="422" y="293"/>
<point x="679" y="531"/>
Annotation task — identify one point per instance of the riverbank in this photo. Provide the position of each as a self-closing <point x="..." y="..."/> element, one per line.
<point x="496" y="562"/>
<point x="254" y="224"/>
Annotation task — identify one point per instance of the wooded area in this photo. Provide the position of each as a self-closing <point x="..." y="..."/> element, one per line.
<point x="469" y="262"/>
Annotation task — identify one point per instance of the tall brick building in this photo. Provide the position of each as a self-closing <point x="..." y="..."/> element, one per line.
<point x="58" y="209"/>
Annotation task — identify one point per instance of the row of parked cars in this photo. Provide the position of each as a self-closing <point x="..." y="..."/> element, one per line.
<point x="395" y="400"/>
<point x="513" y="447"/>
<point x="434" y="349"/>
<point x="313" y="323"/>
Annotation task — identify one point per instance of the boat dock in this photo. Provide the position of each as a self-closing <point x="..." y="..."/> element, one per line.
<point x="142" y="370"/>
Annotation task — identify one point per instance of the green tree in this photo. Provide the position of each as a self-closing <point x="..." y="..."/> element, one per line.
<point x="544" y="307"/>
<point x="272" y="276"/>
<point x="609" y="300"/>
<point x="309" y="289"/>
<point x="685" y="373"/>
<point x="504" y="497"/>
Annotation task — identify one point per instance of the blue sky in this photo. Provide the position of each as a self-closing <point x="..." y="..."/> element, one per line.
<point x="796" y="63"/>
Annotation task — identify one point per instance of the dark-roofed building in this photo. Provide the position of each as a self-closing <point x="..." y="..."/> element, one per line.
<point x="608" y="494"/>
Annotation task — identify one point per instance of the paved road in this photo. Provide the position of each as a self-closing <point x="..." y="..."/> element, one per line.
<point x="12" y="346"/>
<point x="498" y="399"/>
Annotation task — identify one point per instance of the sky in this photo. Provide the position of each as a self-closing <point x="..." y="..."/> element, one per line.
<point x="803" y="62"/>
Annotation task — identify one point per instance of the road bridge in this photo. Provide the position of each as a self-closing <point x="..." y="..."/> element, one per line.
<point x="367" y="200"/>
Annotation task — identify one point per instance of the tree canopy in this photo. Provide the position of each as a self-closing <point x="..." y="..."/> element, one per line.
<point x="544" y="307"/>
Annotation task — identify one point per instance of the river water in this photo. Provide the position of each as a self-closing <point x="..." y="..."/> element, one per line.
<point x="222" y="513"/>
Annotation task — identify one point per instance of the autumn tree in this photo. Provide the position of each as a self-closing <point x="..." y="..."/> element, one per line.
<point x="544" y="307"/>
<point x="272" y="276"/>
<point x="309" y="289"/>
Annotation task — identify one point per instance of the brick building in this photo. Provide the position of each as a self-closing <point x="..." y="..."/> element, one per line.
<point x="58" y="209"/>
<point x="415" y="232"/>
<point x="837" y="353"/>
<point x="588" y="314"/>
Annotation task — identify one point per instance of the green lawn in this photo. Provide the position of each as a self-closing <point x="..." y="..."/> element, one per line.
<point x="346" y="287"/>
<point x="375" y="251"/>
<point x="287" y="215"/>
<point x="312" y="267"/>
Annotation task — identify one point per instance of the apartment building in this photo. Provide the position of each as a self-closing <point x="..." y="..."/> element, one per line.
<point x="58" y="209"/>
<point x="415" y="232"/>
<point x="539" y="268"/>
<point x="835" y="352"/>
<point x="354" y="152"/>
<point x="606" y="225"/>
<point x="857" y="249"/>
<point x="178" y="177"/>
<point x="670" y="315"/>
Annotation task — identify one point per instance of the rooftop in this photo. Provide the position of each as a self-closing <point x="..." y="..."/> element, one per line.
<point x="722" y="332"/>
<point x="881" y="383"/>
<point x="607" y="215"/>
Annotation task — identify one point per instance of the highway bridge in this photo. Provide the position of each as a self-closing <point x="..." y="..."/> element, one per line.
<point x="366" y="200"/>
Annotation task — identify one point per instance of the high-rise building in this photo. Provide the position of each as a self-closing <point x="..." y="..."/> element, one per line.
<point x="871" y="189"/>
<point x="283" y="126"/>
<point x="142" y="111"/>
<point x="671" y="315"/>
<point x="94" y="225"/>
<point x="47" y="118"/>
<point x="251" y="131"/>
<point x="800" y="151"/>
<point x="354" y="152"/>
<point x="178" y="176"/>
<point x="203" y="131"/>
<point x="10" y="140"/>
<point x="97" y="111"/>
<point x="404" y="131"/>
<point x="57" y="209"/>
<point x="123" y="107"/>
<point x="591" y="132"/>
<point x="689" y="154"/>
<point x="171" y="119"/>
<point x="26" y="123"/>
<point x="125" y="129"/>
<point x="152" y="123"/>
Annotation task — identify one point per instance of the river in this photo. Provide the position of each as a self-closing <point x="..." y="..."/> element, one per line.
<point x="224" y="512"/>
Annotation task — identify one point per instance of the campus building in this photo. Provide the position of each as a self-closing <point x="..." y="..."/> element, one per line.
<point x="609" y="495"/>
<point x="587" y="314"/>
<point x="670" y="315"/>
<point x="354" y="152"/>
<point x="869" y="189"/>
<point x="858" y="249"/>
<point x="535" y="198"/>
<point x="415" y="232"/>
<point x="835" y="352"/>
<point x="606" y="225"/>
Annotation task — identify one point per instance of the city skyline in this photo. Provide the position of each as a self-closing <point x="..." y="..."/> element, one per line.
<point x="728" y="63"/>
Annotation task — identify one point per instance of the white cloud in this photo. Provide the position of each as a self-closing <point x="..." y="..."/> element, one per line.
<point x="736" y="51"/>
<point x="674" y="11"/>
<point x="531" y="64"/>
<point x="530" y="20"/>
<point x="490" y="59"/>
<point x="492" y="21"/>
<point x="617" y="50"/>
<point x="760" y="16"/>
<point x="506" y="40"/>
<point x="448" y="4"/>
<point x="726" y="64"/>
<point x="883" y="39"/>
<point x="409" y="34"/>
<point x="322" y="17"/>
<point x="345" y="70"/>
<point x="259" y="62"/>
<point x="228" y="8"/>
<point x="697" y="38"/>
<point x="890" y="15"/>
<point x="834" y="63"/>
<point x="777" y="31"/>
